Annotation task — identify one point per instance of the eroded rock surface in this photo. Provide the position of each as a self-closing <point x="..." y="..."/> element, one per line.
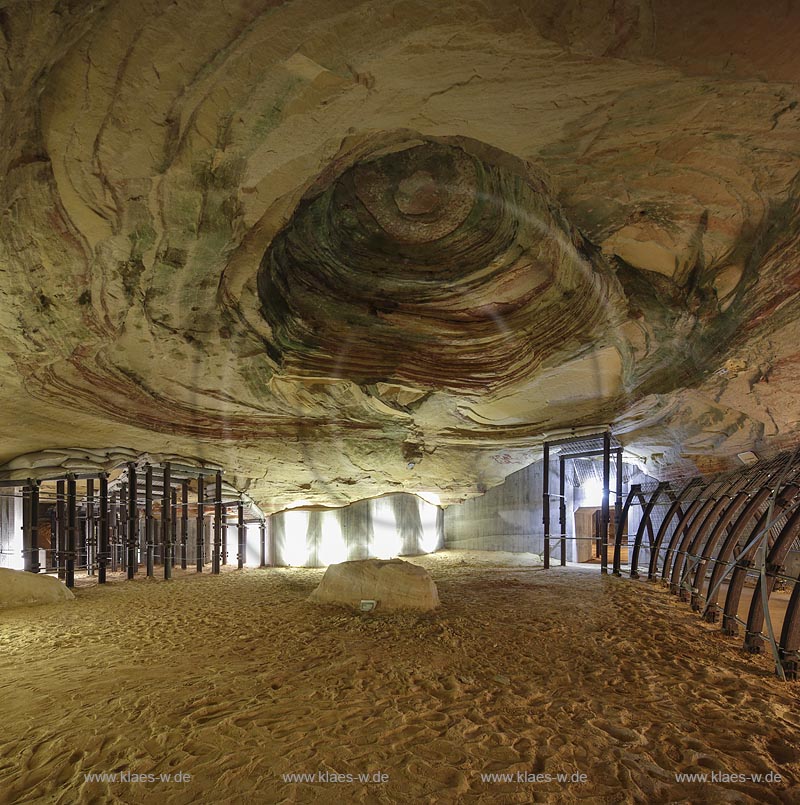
<point x="21" y="589"/>
<point x="392" y="583"/>
<point x="344" y="249"/>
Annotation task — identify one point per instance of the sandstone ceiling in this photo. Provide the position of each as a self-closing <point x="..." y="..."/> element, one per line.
<point x="346" y="248"/>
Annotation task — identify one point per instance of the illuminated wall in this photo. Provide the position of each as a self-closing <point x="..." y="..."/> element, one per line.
<point x="11" y="528"/>
<point x="394" y="525"/>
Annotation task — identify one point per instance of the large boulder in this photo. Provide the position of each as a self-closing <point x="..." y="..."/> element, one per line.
<point x="392" y="583"/>
<point x="21" y="589"/>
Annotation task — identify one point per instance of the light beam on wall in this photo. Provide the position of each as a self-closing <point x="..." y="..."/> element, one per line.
<point x="295" y="538"/>
<point x="333" y="548"/>
<point x="386" y="541"/>
<point x="429" y="519"/>
<point x="592" y="492"/>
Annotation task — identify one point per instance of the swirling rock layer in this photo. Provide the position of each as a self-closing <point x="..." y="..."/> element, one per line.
<point x="347" y="248"/>
<point x="432" y="267"/>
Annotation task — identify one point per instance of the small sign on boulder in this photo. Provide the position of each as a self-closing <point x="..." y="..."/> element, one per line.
<point x="392" y="583"/>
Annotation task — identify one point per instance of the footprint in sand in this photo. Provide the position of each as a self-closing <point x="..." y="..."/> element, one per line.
<point x="617" y="732"/>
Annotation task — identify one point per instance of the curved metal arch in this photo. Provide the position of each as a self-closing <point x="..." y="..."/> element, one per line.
<point x="645" y="523"/>
<point x="674" y="509"/>
<point x="745" y="559"/>
<point x="691" y="539"/>
<point x="710" y="612"/>
<point x="789" y="649"/>
<point x="753" y="641"/>
<point x="634" y="492"/>
<point x="725" y="524"/>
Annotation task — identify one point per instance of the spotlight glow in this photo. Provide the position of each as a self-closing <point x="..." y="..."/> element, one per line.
<point x="333" y="548"/>
<point x="593" y="493"/>
<point x="429" y="517"/>
<point x="295" y="538"/>
<point x="430" y="497"/>
<point x="385" y="539"/>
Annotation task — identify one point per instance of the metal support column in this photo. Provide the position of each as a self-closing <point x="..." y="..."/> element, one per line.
<point x="61" y="527"/>
<point x="546" y="504"/>
<point x="262" y="536"/>
<point x="200" y="524"/>
<point x="562" y="509"/>
<point x="102" y="530"/>
<point x="217" y="524"/>
<point x="618" y="517"/>
<point x="604" y="512"/>
<point x="91" y="534"/>
<point x="133" y="522"/>
<point x="242" y="536"/>
<point x="166" y="523"/>
<point x="184" y="521"/>
<point x="72" y="523"/>
<point x="149" y="531"/>
<point x="224" y="555"/>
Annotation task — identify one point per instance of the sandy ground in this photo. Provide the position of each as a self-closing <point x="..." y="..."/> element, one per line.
<point x="236" y="680"/>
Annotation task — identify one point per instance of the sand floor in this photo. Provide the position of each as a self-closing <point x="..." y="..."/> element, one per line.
<point x="236" y="680"/>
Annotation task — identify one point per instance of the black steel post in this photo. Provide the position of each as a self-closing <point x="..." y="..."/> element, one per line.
<point x="262" y="536"/>
<point x="184" y="521"/>
<point x="174" y="521"/>
<point x="123" y="526"/>
<point x="91" y="538"/>
<point x="102" y="528"/>
<point x="200" y="524"/>
<point x="61" y="524"/>
<point x="224" y="554"/>
<point x="618" y="512"/>
<point x="562" y="509"/>
<point x="604" y="512"/>
<point x="217" y="524"/>
<point x="72" y="520"/>
<point x="242" y="536"/>
<point x="149" y="533"/>
<point x="27" y="554"/>
<point x="546" y="504"/>
<point x="166" y="522"/>
<point x="133" y="522"/>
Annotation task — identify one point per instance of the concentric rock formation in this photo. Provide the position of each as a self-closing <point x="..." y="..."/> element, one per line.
<point x="346" y="248"/>
<point x="427" y="265"/>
